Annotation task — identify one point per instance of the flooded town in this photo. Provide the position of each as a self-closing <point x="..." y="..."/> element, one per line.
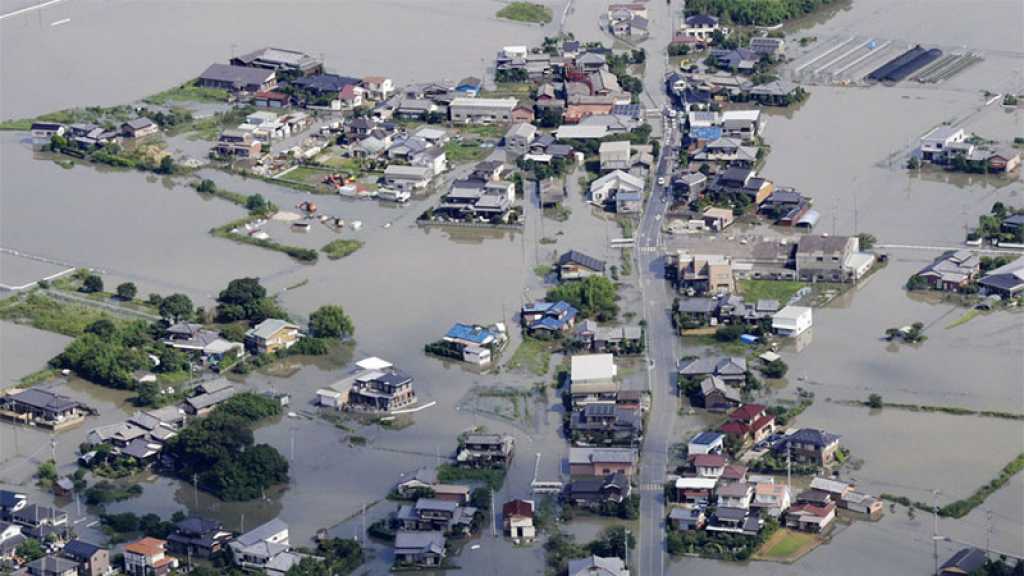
<point x="550" y="287"/>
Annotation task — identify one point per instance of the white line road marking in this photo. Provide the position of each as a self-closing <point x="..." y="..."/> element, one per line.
<point x="29" y="9"/>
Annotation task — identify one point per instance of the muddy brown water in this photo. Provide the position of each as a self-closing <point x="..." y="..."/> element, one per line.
<point x="407" y="284"/>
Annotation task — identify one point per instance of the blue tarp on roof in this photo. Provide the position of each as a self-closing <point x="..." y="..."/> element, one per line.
<point x="469" y="333"/>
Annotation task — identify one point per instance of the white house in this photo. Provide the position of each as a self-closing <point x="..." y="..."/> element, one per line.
<point x="935" y="143"/>
<point x="706" y="442"/>
<point x="519" y="137"/>
<point x="407" y="177"/>
<point x="607" y="186"/>
<point x="434" y="158"/>
<point x="700" y="26"/>
<point x="792" y="320"/>
<point x="482" y="110"/>
<point x="615" y="155"/>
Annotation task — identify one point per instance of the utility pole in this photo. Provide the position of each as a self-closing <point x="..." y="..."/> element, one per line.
<point x="789" y="467"/>
<point x="988" y="532"/>
<point x="195" y="491"/>
<point x="363" y="535"/>
<point x="53" y="449"/>
<point x="242" y="529"/>
<point x="291" y="453"/>
<point x="935" y="529"/>
<point x="494" y="522"/>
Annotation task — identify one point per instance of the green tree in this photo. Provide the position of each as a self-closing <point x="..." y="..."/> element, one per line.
<point x="176" y="307"/>
<point x="594" y="297"/>
<point x="875" y="400"/>
<point x="46" y="474"/>
<point x="104" y="328"/>
<point x="243" y="299"/>
<point x="775" y="369"/>
<point x="92" y="283"/>
<point x="257" y="204"/>
<point x="166" y="166"/>
<point x="30" y="550"/>
<point x="126" y="291"/>
<point x="330" y="321"/>
<point x="867" y="241"/>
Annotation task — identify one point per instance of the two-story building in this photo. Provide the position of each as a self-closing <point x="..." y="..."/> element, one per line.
<point x="429" y="514"/>
<point x="271" y="335"/>
<point x="809" y="445"/>
<point x="382" y="391"/>
<point x="750" y="423"/>
<point x="823" y="258"/>
<point x="602" y="461"/>
<point x="592" y="379"/>
<point x="148" y="557"/>
<point x="485" y="450"/>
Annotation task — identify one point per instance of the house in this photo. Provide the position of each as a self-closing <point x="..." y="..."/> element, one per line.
<point x="474" y="343"/>
<point x="198" y="537"/>
<point x="147" y="557"/>
<point x="725" y="150"/>
<point x="237" y="144"/>
<point x="351" y="96"/>
<point x="774" y="93"/>
<point x="422" y="479"/>
<point x="469" y="86"/>
<point x="695" y="492"/>
<point x="1004" y="160"/>
<point x="708" y="465"/>
<point x="574" y="265"/>
<point x="810" y="517"/>
<point x="237" y="78"/>
<point x="687" y="519"/>
<point x="408" y="177"/>
<point x="92" y="560"/>
<point x="434" y="158"/>
<point x="139" y="128"/>
<point x="770" y="498"/>
<point x="378" y="88"/>
<point x="206" y="397"/>
<point x="823" y="258"/>
<point x="254" y="549"/>
<point x="478" y="199"/>
<point x="1006" y="281"/>
<point x="195" y="339"/>
<point x="749" y="423"/>
<point x="419" y="549"/>
<point x="51" y="565"/>
<point x="785" y="206"/>
<point x="271" y="99"/>
<point x="735" y="521"/>
<point x="717" y="219"/>
<point x="271" y="335"/>
<point x="628" y="202"/>
<point x="768" y="46"/>
<point x="324" y="85"/>
<point x="936" y="144"/>
<point x="517" y="516"/>
<point x="39" y="406"/>
<point x="611" y="339"/>
<point x="965" y="562"/>
<point x="481" y="110"/>
<point x="598" y="566"/>
<point x="952" y="272"/>
<point x="615" y="155"/>
<point x="11" y="502"/>
<point x="809" y="445"/>
<point x="606" y="425"/>
<point x="792" y="321"/>
<point x="706" y="442"/>
<point x="591" y="62"/>
<point x="432" y="514"/>
<point x="740" y="60"/>
<point x="735" y="495"/>
<point x="523" y="113"/>
<point x="43" y="133"/>
<point x="597" y="492"/>
<point x="717" y="396"/>
<point x="602" y="461"/>
<point x="10" y="539"/>
<point x="731" y="370"/>
<point x="486" y="450"/>
<point x="458" y="493"/>
<point x="743" y="125"/>
<point x="736" y="181"/>
<point x="846" y="497"/>
<point x="592" y="379"/>
<point x="519" y="137"/>
<point x="40" y="522"/>
<point x="700" y="273"/>
<point x="547" y="317"/>
<point x="381" y="391"/>
<point x="291" y="62"/>
<point x="700" y="26"/>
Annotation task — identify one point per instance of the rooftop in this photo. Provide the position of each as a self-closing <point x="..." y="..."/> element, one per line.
<point x="592" y="367"/>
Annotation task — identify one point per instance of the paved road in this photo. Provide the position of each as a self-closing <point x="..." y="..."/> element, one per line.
<point x="662" y="353"/>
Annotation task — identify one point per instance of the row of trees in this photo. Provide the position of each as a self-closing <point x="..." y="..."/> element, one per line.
<point x="755" y="12"/>
<point x="595" y="297"/>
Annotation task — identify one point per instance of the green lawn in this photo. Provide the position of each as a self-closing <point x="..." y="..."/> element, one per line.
<point x="188" y="92"/>
<point x="781" y="290"/>
<point x="531" y="355"/>
<point x="526" y="12"/>
<point x="787" y="545"/>
<point x="306" y="175"/>
<point x="458" y="152"/>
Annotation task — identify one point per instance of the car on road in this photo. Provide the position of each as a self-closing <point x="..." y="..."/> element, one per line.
<point x="661" y="180"/>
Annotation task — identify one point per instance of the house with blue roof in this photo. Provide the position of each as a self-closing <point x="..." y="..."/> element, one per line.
<point x="548" y="317"/>
<point x="707" y="442"/>
<point x="810" y="445"/>
<point x="470" y="343"/>
<point x="469" y="86"/>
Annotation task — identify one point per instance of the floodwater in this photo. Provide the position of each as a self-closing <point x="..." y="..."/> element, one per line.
<point x="23" y="350"/>
<point x="408" y="284"/>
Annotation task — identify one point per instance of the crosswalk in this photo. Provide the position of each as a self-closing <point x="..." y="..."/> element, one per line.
<point x="649" y="249"/>
<point x="651" y="487"/>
